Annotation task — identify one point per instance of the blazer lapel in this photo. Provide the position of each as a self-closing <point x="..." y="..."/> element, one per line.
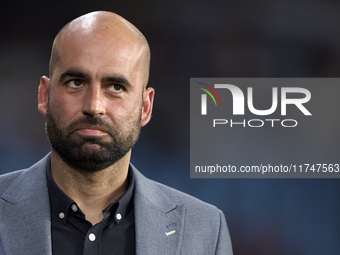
<point x="25" y="218"/>
<point x="159" y="222"/>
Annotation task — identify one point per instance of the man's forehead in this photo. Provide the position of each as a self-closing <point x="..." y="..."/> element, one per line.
<point x="81" y="51"/>
<point x="104" y="35"/>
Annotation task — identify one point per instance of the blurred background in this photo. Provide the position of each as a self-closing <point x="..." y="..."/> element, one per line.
<point x="194" y="38"/>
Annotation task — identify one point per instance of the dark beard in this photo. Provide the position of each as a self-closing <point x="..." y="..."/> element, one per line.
<point x="72" y="151"/>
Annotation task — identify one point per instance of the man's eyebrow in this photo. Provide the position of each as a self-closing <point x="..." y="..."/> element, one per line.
<point x="117" y="79"/>
<point x="74" y="73"/>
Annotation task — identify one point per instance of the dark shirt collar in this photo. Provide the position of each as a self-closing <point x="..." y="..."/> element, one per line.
<point x="61" y="203"/>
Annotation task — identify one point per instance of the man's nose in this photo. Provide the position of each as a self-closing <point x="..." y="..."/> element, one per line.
<point x="94" y="102"/>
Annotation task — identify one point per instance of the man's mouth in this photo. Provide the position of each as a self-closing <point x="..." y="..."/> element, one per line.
<point x="91" y="130"/>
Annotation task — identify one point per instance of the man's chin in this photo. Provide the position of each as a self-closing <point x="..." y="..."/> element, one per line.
<point x="89" y="158"/>
<point x="89" y="147"/>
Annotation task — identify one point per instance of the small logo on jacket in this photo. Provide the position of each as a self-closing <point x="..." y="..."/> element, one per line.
<point x="170" y="232"/>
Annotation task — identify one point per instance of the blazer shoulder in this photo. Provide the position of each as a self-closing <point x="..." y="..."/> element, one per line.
<point x="22" y="184"/>
<point x="8" y="178"/>
<point x="201" y="219"/>
<point x="200" y="226"/>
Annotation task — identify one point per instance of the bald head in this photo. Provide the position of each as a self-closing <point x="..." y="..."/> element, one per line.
<point x="102" y="26"/>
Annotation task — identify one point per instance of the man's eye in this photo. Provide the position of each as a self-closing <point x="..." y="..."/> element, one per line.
<point x="116" y="88"/>
<point x="74" y="83"/>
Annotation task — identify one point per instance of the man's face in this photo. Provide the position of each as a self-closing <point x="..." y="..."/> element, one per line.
<point x="96" y="100"/>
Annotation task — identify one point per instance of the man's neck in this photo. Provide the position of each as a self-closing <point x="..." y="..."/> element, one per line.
<point x="92" y="192"/>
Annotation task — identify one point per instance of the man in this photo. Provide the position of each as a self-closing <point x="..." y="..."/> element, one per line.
<point x="85" y="197"/>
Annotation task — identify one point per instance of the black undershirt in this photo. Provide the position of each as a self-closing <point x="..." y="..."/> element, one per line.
<point x="72" y="234"/>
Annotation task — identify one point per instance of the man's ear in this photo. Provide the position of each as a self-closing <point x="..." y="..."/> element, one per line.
<point x="43" y="94"/>
<point x="148" y="97"/>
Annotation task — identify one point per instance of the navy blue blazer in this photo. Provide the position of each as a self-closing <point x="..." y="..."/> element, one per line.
<point x="167" y="221"/>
